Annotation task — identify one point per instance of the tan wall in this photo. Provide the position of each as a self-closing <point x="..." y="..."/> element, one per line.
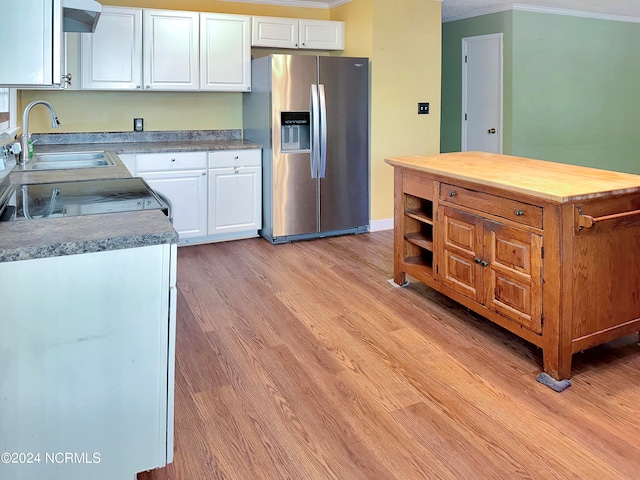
<point x="402" y="39"/>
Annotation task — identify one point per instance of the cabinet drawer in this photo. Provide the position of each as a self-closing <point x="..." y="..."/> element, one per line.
<point x="417" y="185"/>
<point x="156" y="162"/>
<point x="235" y="158"/>
<point x="502" y="207"/>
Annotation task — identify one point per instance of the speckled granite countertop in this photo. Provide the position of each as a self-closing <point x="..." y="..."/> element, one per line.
<point x="145" y="142"/>
<point x="54" y="237"/>
<point x="92" y="233"/>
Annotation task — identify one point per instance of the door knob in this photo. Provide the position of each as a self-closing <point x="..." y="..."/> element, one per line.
<point x="484" y="263"/>
<point x="492" y="131"/>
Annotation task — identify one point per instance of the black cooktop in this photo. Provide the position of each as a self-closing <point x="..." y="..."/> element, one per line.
<point x="66" y="199"/>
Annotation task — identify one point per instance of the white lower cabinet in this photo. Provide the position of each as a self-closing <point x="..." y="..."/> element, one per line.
<point x="215" y="196"/>
<point x="88" y="367"/>
<point x="182" y="178"/>
<point x="235" y="193"/>
<point x="235" y="200"/>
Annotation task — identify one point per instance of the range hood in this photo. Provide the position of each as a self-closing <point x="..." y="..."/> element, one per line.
<point x="80" y="15"/>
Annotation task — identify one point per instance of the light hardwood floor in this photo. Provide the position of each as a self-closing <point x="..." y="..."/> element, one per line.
<point x="301" y="361"/>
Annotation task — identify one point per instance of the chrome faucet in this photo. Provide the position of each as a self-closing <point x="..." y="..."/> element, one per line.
<point x="24" y="141"/>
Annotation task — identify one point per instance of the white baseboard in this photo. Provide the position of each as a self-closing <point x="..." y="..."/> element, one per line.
<point x="379" y="225"/>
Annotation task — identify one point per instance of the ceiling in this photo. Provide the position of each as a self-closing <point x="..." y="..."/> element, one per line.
<point x="452" y="9"/>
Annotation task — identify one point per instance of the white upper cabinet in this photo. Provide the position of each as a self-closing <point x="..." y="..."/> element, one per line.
<point x="167" y="50"/>
<point x="274" y="32"/>
<point x="31" y="34"/>
<point x="111" y="57"/>
<point x="170" y="42"/>
<point x="134" y="49"/>
<point x="278" y="32"/>
<point x="225" y="52"/>
<point x="321" y="35"/>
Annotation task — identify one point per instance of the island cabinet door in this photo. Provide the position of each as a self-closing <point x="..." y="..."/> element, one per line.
<point x="513" y="276"/>
<point x="496" y="265"/>
<point x="459" y="252"/>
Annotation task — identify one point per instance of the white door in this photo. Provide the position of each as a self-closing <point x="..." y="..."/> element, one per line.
<point x="225" y="52"/>
<point x="112" y="55"/>
<point x="187" y="191"/>
<point x="171" y="41"/>
<point x="235" y="200"/>
<point x="482" y="93"/>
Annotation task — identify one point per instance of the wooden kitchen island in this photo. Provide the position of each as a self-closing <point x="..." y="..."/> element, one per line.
<point x="549" y="251"/>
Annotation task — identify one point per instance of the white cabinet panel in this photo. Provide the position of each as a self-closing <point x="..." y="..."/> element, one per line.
<point x="235" y="200"/>
<point x="278" y="32"/>
<point x="235" y="158"/>
<point x="274" y="32"/>
<point x="112" y="56"/>
<point x="321" y="35"/>
<point x="187" y="191"/>
<point x="86" y="368"/>
<point x="31" y="34"/>
<point x="170" y="50"/>
<point x="129" y="161"/>
<point x="225" y="52"/>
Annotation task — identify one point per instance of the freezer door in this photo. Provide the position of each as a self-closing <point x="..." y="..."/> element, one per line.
<point x="294" y="190"/>
<point x="344" y="190"/>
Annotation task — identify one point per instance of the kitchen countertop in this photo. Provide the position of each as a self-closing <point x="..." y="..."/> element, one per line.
<point x="50" y="237"/>
<point x="557" y="182"/>
<point x="54" y="237"/>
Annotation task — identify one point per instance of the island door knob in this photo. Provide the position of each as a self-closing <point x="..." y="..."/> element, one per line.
<point x="452" y="194"/>
<point x="484" y="263"/>
<point x="477" y="260"/>
<point x="492" y="131"/>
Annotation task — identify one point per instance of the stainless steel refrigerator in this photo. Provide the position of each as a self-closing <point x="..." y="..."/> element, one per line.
<point x="311" y="114"/>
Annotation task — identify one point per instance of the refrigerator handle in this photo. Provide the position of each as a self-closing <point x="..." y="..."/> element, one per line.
<point x="323" y="132"/>
<point x="315" y="125"/>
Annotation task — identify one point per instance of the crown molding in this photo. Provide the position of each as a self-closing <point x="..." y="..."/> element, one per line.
<point x="325" y="4"/>
<point x="538" y="9"/>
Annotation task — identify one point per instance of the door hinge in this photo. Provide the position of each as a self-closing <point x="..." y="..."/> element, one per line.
<point x="542" y="252"/>
<point x="436" y="268"/>
<point x="465" y="116"/>
<point x="465" y="59"/>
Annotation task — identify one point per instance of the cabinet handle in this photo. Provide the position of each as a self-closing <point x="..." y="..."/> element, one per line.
<point x="236" y="157"/>
<point x="148" y="86"/>
<point x="452" y="194"/>
<point x="173" y="159"/>
<point x="477" y="260"/>
<point x="204" y="173"/>
<point x="138" y="86"/>
<point x="484" y="263"/>
<point x="519" y="213"/>
<point x="235" y="170"/>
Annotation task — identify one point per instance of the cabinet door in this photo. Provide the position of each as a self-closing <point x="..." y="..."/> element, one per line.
<point x="321" y="35"/>
<point x="111" y="57"/>
<point x="460" y="252"/>
<point x="225" y="53"/>
<point x="170" y="52"/>
<point x="235" y="203"/>
<point x="274" y="32"/>
<point x="187" y="191"/>
<point x="31" y="35"/>
<point x="513" y="285"/>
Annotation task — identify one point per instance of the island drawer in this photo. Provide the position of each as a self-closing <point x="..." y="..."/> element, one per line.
<point x="520" y="212"/>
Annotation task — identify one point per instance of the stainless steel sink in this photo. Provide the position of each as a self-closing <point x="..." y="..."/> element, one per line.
<point x="70" y="160"/>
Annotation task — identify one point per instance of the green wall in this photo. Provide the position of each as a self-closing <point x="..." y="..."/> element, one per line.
<point x="571" y="87"/>
<point x="576" y="93"/>
<point x="452" y="35"/>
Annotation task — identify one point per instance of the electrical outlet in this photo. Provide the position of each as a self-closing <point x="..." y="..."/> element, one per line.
<point x="138" y="125"/>
<point x="423" y="108"/>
